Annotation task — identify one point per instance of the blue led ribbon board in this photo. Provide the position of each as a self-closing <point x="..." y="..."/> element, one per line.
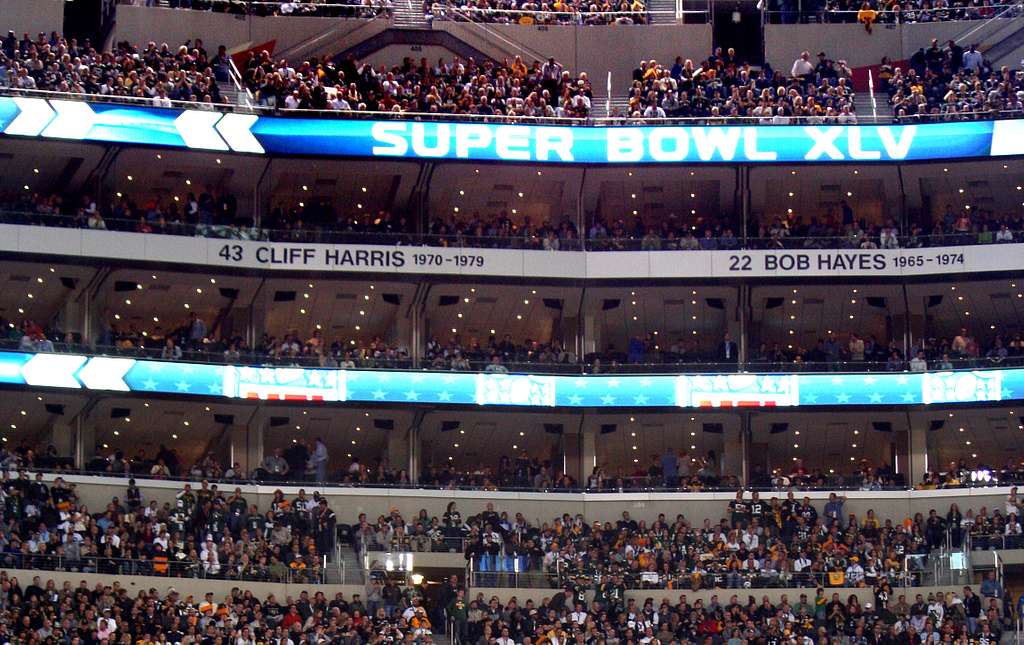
<point x="472" y="141"/>
<point x="692" y="391"/>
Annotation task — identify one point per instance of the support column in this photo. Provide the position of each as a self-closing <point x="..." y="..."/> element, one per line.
<point x="62" y="437"/>
<point x="84" y="442"/>
<point x="588" y="453"/>
<point x="735" y="445"/>
<point x="743" y="315"/>
<point x="578" y="451"/>
<point x="247" y="444"/>
<point x="401" y="331"/>
<point x="71" y="318"/>
<point x="591" y="335"/>
<point x="921" y="458"/>
<point x="402" y="453"/>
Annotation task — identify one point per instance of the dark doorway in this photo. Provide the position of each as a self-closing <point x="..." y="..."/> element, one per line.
<point x="738" y="25"/>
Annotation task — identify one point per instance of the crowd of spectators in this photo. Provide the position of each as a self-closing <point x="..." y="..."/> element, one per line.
<point x="193" y="340"/>
<point x="962" y="472"/>
<point x="262" y="8"/>
<point x="214" y="212"/>
<point x="723" y="86"/>
<point x="494" y="355"/>
<point x="823" y="618"/>
<point x="886" y="12"/>
<point x="157" y="74"/>
<point x="774" y="542"/>
<point x="503" y="232"/>
<point x="951" y="82"/>
<point x="204" y="532"/>
<point x="507" y="88"/>
<point x="530" y="12"/>
<point x="46" y="612"/>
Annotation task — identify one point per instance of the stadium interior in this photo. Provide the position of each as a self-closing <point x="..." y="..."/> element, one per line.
<point x="503" y="322"/>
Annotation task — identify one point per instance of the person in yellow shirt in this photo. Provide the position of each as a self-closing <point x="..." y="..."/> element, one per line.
<point x="866" y="15"/>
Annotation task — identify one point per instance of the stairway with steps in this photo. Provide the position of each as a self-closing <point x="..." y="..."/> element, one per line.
<point x="353" y="566"/>
<point x="862" y="105"/>
<point x="663" y="12"/>
<point x="408" y="14"/>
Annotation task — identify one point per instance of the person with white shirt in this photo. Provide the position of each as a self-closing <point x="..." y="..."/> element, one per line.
<point x="505" y="639"/>
<point x="339" y="103"/>
<point x="161" y="99"/>
<point x="1012" y="504"/>
<point x="654" y="111"/>
<point x="578" y="616"/>
<point x="1012" y="532"/>
<point x="751" y="540"/>
<point x="854" y="572"/>
<point x="802" y="67"/>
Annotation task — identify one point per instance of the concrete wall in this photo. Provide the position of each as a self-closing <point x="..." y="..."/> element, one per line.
<point x="32" y="17"/>
<point x="175" y="26"/>
<point x="542" y="507"/>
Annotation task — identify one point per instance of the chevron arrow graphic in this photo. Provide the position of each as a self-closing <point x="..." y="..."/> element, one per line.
<point x="73" y="121"/>
<point x="196" y="130"/>
<point x="33" y="116"/>
<point x="52" y="370"/>
<point x="237" y="131"/>
<point x="104" y="373"/>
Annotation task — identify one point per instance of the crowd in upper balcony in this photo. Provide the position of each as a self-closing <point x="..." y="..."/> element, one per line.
<point x="865" y="351"/>
<point x="951" y="81"/>
<point x="724" y="86"/>
<point x="531" y="12"/>
<point x="157" y="74"/>
<point x="319" y="8"/>
<point x="503" y="232"/>
<point x="509" y="88"/>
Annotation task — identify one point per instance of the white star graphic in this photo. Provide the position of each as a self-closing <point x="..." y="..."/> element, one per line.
<point x="379" y="394"/>
<point x="575" y="399"/>
<point x="640" y="399"/>
<point x="183" y="386"/>
<point x="156" y="366"/>
<point x="448" y="379"/>
<point x="902" y="379"/>
<point x="412" y="395"/>
<point x="875" y="397"/>
<point x="149" y="384"/>
<point x="837" y="380"/>
<point x="908" y="397"/>
<point x="613" y="382"/>
<point x="607" y="399"/>
<point x="187" y="369"/>
<point x="383" y="377"/>
<point x="418" y="378"/>
<point x="216" y="388"/>
<point x="870" y="380"/>
<point x="843" y="398"/>
<point x="646" y="382"/>
<point x="444" y="396"/>
<point x="580" y="383"/>
<point x="1007" y="394"/>
<point x="811" y="398"/>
